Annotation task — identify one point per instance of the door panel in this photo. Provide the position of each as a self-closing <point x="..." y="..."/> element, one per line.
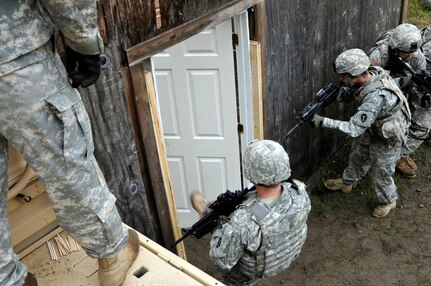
<point x="196" y="96"/>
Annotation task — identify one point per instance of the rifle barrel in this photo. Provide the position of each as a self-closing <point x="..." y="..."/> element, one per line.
<point x="291" y="130"/>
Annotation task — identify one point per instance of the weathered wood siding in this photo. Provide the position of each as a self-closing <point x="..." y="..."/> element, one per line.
<point x="303" y="39"/>
<point x="122" y="25"/>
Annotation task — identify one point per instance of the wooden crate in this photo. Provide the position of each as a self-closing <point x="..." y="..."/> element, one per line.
<point x="155" y="266"/>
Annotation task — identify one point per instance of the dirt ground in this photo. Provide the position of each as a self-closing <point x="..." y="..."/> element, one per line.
<point x="346" y="245"/>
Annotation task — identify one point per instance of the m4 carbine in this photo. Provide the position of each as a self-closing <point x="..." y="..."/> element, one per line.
<point x="326" y="96"/>
<point x="224" y="205"/>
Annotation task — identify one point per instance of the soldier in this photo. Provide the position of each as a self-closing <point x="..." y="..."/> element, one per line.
<point x="404" y="42"/>
<point x="426" y="45"/>
<point x="267" y="231"/>
<point x="44" y="118"/>
<point x="380" y="125"/>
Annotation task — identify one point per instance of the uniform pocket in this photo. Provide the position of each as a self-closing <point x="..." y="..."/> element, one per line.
<point x="77" y="138"/>
<point x="111" y="221"/>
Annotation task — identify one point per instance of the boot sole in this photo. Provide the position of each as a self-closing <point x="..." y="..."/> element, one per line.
<point x="406" y="175"/>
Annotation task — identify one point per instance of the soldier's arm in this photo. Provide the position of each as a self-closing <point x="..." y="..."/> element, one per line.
<point x="362" y="120"/>
<point x="379" y="56"/>
<point x="77" y="21"/>
<point x="226" y="247"/>
<point x="421" y="62"/>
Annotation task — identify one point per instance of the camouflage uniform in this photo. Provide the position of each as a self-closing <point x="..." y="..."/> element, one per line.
<point x="44" y="118"/>
<point x="426" y="45"/>
<point x="262" y="239"/>
<point x="253" y="246"/>
<point x="421" y="112"/>
<point x="380" y="124"/>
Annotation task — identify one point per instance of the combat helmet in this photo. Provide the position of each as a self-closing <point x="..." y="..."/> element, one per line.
<point x="265" y="162"/>
<point x="353" y="62"/>
<point x="406" y="38"/>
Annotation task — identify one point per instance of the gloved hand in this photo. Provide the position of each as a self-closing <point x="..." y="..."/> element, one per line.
<point x="83" y="70"/>
<point x="226" y="202"/>
<point x="316" y="121"/>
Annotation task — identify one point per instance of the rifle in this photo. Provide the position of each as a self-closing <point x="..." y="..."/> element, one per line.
<point x="225" y="204"/>
<point x="421" y="80"/>
<point x="327" y="95"/>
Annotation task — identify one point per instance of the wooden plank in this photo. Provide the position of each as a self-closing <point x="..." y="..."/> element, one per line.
<point x="404" y="10"/>
<point x="256" y="85"/>
<point x="140" y="52"/>
<point x="260" y="32"/>
<point x="155" y="151"/>
<point x="140" y="148"/>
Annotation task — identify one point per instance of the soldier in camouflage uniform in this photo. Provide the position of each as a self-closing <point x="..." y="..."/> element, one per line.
<point x="426" y="50"/>
<point x="404" y="41"/>
<point x="426" y="45"/>
<point x="267" y="231"/>
<point x="380" y="125"/>
<point x="43" y="117"/>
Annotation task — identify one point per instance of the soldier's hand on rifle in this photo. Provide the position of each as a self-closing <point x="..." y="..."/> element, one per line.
<point x="226" y="202"/>
<point x="83" y="70"/>
<point x="316" y="121"/>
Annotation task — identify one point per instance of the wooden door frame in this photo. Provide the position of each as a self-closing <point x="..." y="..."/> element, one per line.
<point x="140" y="90"/>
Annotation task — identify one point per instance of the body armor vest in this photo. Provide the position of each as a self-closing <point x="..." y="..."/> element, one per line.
<point x="391" y="124"/>
<point x="284" y="231"/>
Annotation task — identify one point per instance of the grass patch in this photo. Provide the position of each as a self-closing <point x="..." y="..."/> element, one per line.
<point x="320" y="207"/>
<point x="418" y="15"/>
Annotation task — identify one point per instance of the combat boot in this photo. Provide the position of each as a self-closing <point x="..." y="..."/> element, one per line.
<point x="411" y="163"/>
<point x="338" y="184"/>
<point x="199" y="203"/>
<point x="30" y="280"/>
<point x="112" y="271"/>
<point x="383" y="210"/>
<point x="405" y="169"/>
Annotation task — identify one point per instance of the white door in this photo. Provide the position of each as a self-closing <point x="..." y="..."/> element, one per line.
<point x="195" y="86"/>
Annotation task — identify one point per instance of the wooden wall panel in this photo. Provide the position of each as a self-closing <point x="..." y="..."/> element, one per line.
<point x="303" y="38"/>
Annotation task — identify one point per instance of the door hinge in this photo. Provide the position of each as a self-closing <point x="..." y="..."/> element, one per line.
<point x="240" y="128"/>
<point x="235" y="40"/>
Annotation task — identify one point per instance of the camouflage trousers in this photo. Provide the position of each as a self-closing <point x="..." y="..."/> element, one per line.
<point x="44" y="118"/>
<point x="419" y="128"/>
<point x="369" y="153"/>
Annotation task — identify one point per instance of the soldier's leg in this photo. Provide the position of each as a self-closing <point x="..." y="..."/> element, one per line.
<point x="44" y="118"/>
<point x="418" y="131"/>
<point x="359" y="159"/>
<point x="383" y="170"/>
<point x="12" y="272"/>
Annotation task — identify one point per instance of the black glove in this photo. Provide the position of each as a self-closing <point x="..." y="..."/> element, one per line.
<point x="83" y="70"/>
<point x="316" y="121"/>
<point x="226" y="202"/>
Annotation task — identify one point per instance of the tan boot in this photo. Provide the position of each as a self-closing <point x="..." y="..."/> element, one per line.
<point x="30" y="280"/>
<point x="338" y="184"/>
<point x="383" y="210"/>
<point x="199" y="203"/>
<point x="112" y="271"/>
<point x="411" y="163"/>
<point x="404" y="168"/>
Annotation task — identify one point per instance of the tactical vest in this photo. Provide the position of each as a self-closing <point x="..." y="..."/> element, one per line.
<point x="392" y="124"/>
<point x="284" y="231"/>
